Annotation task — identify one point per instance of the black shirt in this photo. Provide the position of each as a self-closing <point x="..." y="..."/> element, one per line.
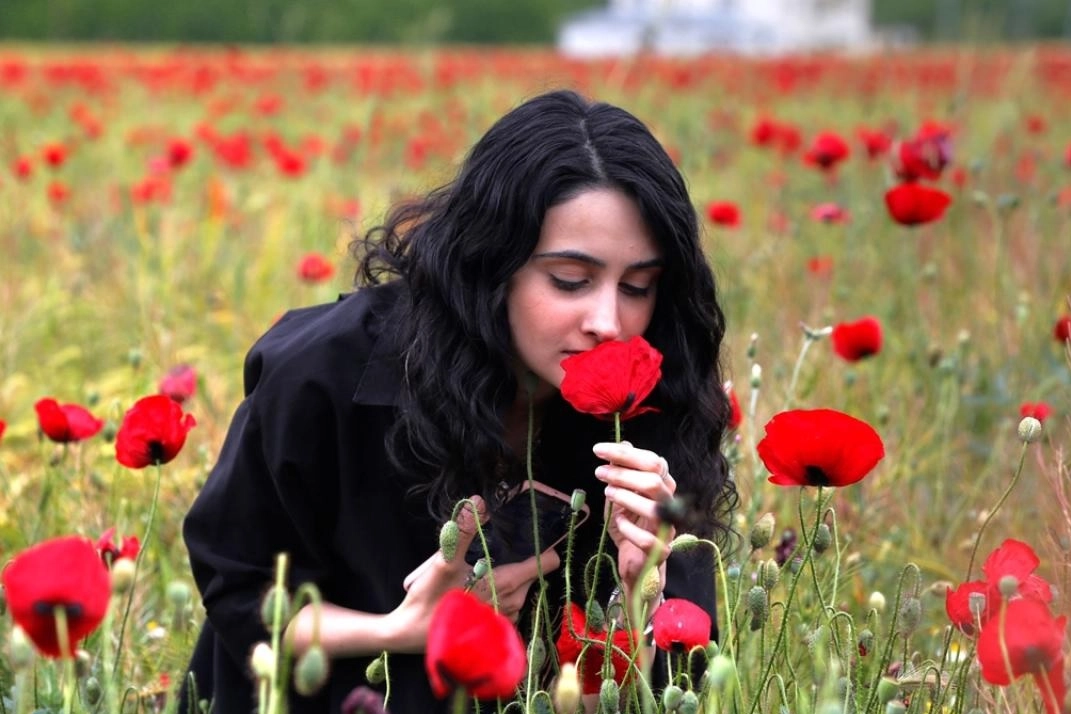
<point x="304" y="470"/>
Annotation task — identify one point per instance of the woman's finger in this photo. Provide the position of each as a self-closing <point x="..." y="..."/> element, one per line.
<point x="642" y="538"/>
<point x="633" y="502"/>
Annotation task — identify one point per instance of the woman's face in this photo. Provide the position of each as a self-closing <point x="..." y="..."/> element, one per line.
<point x="592" y="277"/>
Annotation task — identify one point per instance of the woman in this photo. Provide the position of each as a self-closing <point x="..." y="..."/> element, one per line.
<point x="366" y="420"/>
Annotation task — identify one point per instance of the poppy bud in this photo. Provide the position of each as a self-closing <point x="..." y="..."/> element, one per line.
<point x="758" y="604"/>
<point x="567" y="690"/>
<point x="895" y="707"/>
<point x="671" y="698"/>
<point x="541" y="704"/>
<point x="887" y="689"/>
<point x="756" y="376"/>
<point x="733" y="572"/>
<point x="822" y="539"/>
<point x="1029" y="430"/>
<point x="576" y="501"/>
<point x="769" y="574"/>
<point x="689" y="703"/>
<point x="976" y="604"/>
<point x="651" y="585"/>
<point x="109" y="430"/>
<point x="866" y="642"/>
<point x="178" y="592"/>
<point x="122" y="575"/>
<point x="480" y="569"/>
<point x="1008" y="585"/>
<point x="262" y="661"/>
<point x="134" y="357"/>
<point x="19" y="650"/>
<point x="448" y="536"/>
<point x="595" y="616"/>
<point x="537" y="654"/>
<point x="910" y="615"/>
<point x="311" y="671"/>
<point x="93" y="691"/>
<point x="609" y="697"/>
<point x="376" y="671"/>
<point x="721" y="673"/>
<point x="267" y="606"/>
<point x="82" y="663"/>
<point x="877" y="601"/>
<point x="753" y="345"/>
<point x="685" y="541"/>
<point x="762" y="531"/>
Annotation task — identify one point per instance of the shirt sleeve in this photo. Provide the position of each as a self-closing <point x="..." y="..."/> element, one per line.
<point x="270" y="492"/>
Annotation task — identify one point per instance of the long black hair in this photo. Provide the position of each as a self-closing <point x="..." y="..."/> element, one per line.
<point x="456" y="249"/>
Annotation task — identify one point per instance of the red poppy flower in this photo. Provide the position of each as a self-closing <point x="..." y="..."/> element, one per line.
<point x="765" y="131"/>
<point x="875" y="141"/>
<point x="180" y="383"/>
<point x="827" y="150"/>
<point x="572" y="644"/>
<point x="472" y="646"/>
<point x="830" y="213"/>
<point x="736" y="415"/>
<point x="179" y="152"/>
<point x="54" y="154"/>
<point x="23" y="167"/>
<point x="1036" y="124"/>
<point x="64" y="423"/>
<point x="820" y="266"/>
<point x="857" y="340"/>
<point x="925" y="155"/>
<point x="1032" y="640"/>
<point x="1038" y="410"/>
<point x="958" y="605"/>
<point x="315" y="268"/>
<point x="1018" y="559"/>
<point x="111" y="550"/>
<point x="819" y="447"/>
<point x="724" y="213"/>
<point x="1061" y="331"/>
<point x="679" y="625"/>
<point x="58" y="193"/>
<point x="913" y="204"/>
<point x="613" y="378"/>
<point x="153" y="432"/>
<point x="3" y="426"/>
<point x="62" y="573"/>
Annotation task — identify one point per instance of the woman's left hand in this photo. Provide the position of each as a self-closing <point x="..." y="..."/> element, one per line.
<point x="636" y="481"/>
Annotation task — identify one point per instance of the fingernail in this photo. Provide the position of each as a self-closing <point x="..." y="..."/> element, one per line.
<point x="601" y="472"/>
<point x="610" y="491"/>
<point x="602" y="448"/>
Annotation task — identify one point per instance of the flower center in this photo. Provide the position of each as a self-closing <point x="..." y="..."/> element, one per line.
<point x="816" y="476"/>
<point x="46" y="608"/>
<point x="156" y="452"/>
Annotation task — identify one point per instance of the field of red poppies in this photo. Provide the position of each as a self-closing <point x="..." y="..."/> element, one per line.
<point x="891" y="235"/>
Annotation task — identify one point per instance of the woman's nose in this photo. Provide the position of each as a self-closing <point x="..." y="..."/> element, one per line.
<point x="603" y="320"/>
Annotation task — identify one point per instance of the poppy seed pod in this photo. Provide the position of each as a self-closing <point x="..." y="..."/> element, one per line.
<point x="123" y="572"/>
<point x="671" y="698"/>
<point x="762" y="531"/>
<point x="689" y="703"/>
<point x="910" y="615"/>
<point x="1008" y="585"/>
<point x="1029" y="430"/>
<point x="609" y="697"/>
<point x="311" y="671"/>
<point x="448" y="536"/>
<point x="576" y="501"/>
<point x="887" y="689"/>
<point x="769" y="574"/>
<point x="823" y="538"/>
<point x="376" y="671"/>
<point x="178" y="593"/>
<point x="480" y="569"/>
<point x="721" y="673"/>
<point x="895" y="707"/>
<point x="537" y="654"/>
<point x="758" y="605"/>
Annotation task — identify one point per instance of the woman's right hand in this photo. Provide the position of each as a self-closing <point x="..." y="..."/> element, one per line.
<point x="426" y="585"/>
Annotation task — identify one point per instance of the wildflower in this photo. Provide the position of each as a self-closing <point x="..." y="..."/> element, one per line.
<point x="925" y="155"/>
<point x="613" y="378"/>
<point x="179" y="152"/>
<point x="830" y="213"/>
<point x="827" y="150"/>
<point x="22" y="168"/>
<point x="736" y="414"/>
<point x="819" y="447"/>
<point x="315" y="268"/>
<point x="1038" y="410"/>
<point x="3" y="426"/>
<point x="1025" y="639"/>
<point x="58" y="193"/>
<point x="472" y="646"/>
<point x="724" y="213"/>
<point x="820" y="266"/>
<point x="913" y="204"/>
<point x="180" y="383"/>
<point x="1061" y="331"/>
<point x="65" y="574"/>
<point x="1012" y="558"/>
<point x="54" y="154"/>
<point x="857" y="340"/>
<point x="64" y="423"/>
<point x="679" y="625"/>
<point x="153" y="432"/>
<point x="570" y="646"/>
<point x="112" y="550"/>
<point x="875" y="141"/>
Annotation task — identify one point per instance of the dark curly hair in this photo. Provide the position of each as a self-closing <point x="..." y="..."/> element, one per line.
<point x="456" y="249"/>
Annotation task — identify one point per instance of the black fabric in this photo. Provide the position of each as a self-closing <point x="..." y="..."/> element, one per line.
<point x="303" y="470"/>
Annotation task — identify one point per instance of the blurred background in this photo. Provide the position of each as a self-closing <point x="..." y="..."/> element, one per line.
<point x="762" y="24"/>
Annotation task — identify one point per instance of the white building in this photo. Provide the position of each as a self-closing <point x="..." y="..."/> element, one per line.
<point x="688" y="27"/>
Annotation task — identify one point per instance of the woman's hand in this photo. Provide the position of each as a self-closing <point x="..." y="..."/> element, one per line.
<point x="426" y="585"/>
<point x="636" y="481"/>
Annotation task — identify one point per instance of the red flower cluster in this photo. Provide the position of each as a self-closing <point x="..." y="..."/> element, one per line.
<point x="679" y="625"/>
<point x="613" y="378"/>
<point x="62" y="573"/>
<point x="180" y="383"/>
<point x="819" y="447"/>
<point x="112" y="549"/>
<point x="724" y="213"/>
<point x="1038" y="410"/>
<point x="315" y="268"/>
<point x="1016" y="635"/>
<point x="64" y="423"/>
<point x="587" y="647"/>
<point x="153" y="432"/>
<point x="857" y="340"/>
<point x="922" y="157"/>
<point x="472" y="646"/>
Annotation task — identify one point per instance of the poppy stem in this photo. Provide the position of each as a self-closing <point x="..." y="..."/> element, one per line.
<point x="461" y="701"/>
<point x="64" y="640"/>
<point x="281" y="677"/>
<point x="993" y="511"/>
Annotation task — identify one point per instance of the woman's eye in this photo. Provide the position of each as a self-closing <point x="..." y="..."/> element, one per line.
<point x="567" y="285"/>
<point x="635" y="290"/>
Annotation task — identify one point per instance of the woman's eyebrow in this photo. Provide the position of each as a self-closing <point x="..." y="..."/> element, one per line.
<point x="592" y="260"/>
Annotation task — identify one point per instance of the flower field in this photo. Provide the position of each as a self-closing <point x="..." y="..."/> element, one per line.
<point x="892" y="240"/>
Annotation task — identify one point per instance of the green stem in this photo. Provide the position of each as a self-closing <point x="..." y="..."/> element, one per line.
<point x="460" y="702"/>
<point x="1000" y="502"/>
<point x="278" y="684"/>
<point x="808" y="340"/>
<point x="137" y="566"/>
<point x="63" y="638"/>
<point x="605" y="521"/>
